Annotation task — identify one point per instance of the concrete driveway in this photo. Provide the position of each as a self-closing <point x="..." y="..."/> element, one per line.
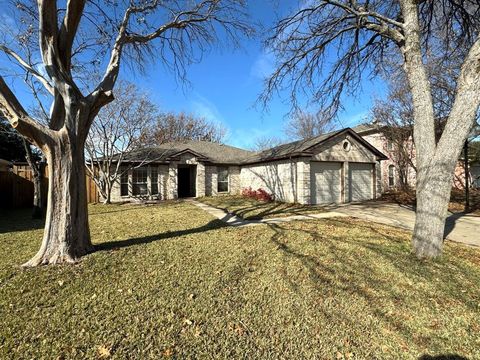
<point x="459" y="227"/>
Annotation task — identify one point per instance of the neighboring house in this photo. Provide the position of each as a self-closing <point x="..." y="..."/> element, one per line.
<point x="390" y="169"/>
<point x="474" y="171"/>
<point x="332" y="168"/>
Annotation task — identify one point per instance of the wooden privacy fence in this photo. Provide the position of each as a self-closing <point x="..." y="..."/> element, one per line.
<point x="92" y="191"/>
<point x="16" y="188"/>
<point x="15" y="191"/>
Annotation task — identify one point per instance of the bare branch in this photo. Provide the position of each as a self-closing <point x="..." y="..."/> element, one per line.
<point x="29" y="68"/>
<point x="19" y="119"/>
<point x="465" y="106"/>
<point x="68" y="30"/>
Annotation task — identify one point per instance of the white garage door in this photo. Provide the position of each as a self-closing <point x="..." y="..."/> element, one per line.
<point x="360" y="179"/>
<point x="325" y="182"/>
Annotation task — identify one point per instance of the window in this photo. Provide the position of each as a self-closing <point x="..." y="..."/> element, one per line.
<point x="139" y="181"/>
<point x="391" y="175"/>
<point x="154" y="180"/>
<point x="124" y="182"/>
<point x="389" y="145"/>
<point x="222" y="179"/>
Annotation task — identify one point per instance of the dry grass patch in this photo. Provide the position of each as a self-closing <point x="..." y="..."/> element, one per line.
<point x="251" y="209"/>
<point x="170" y="281"/>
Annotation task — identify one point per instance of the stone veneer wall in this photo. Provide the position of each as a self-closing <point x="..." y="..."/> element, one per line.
<point x="303" y="181"/>
<point x="210" y="180"/>
<point x="277" y="177"/>
<point x="234" y="182"/>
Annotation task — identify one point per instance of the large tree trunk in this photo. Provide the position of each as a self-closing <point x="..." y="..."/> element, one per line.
<point x="67" y="235"/>
<point x="433" y="196"/>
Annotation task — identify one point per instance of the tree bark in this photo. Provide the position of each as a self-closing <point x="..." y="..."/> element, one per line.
<point x="108" y="193"/>
<point x="38" y="196"/>
<point x="38" y="175"/>
<point x="433" y="196"/>
<point x="67" y="236"/>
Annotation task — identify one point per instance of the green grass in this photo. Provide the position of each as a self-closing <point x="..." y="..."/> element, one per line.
<point x="251" y="209"/>
<point x="170" y="280"/>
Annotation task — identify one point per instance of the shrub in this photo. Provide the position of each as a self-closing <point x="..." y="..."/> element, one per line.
<point x="259" y="194"/>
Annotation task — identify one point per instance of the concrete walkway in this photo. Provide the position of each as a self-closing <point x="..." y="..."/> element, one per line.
<point x="459" y="227"/>
<point x="234" y="220"/>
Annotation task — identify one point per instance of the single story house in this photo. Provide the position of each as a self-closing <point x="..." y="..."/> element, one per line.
<point x="332" y="168"/>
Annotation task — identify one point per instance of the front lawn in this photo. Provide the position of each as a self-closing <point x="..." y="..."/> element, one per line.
<point x="171" y="281"/>
<point x="251" y="209"/>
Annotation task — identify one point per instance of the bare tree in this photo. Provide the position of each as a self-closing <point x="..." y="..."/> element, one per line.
<point x="367" y="35"/>
<point x="116" y="131"/>
<point x="395" y="117"/>
<point x="305" y="125"/>
<point x="395" y="113"/>
<point x="177" y="127"/>
<point x="75" y="40"/>
<point x="266" y="142"/>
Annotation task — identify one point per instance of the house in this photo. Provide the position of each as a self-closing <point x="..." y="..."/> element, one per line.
<point x="391" y="169"/>
<point x="332" y="168"/>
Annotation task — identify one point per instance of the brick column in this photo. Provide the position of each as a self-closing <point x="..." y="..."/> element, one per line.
<point x="172" y="182"/>
<point x="200" y="181"/>
<point x="149" y="182"/>
<point x="346" y="182"/>
<point x="377" y="176"/>
<point x="303" y="182"/>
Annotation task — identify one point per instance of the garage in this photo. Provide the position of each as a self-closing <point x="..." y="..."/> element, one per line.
<point x="317" y="170"/>
<point x="360" y="180"/>
<point x="325" y="182"/>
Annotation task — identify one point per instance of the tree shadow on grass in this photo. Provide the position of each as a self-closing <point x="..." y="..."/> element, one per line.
<point x="118" y="244"/>
<point x="361" y="276"/>
<point x="263" y="210"/>
<point x="19" y="220"/>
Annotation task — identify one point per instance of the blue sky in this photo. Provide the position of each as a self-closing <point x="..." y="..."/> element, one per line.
<point x="224" y="88"/>
<point x="225" y="85"/>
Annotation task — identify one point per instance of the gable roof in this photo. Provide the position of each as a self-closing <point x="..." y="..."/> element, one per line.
<point x="225" y="154"/>
<point x="304" y="147"/>
<point x="368" y="128"/>
<point x="205" y="150"/>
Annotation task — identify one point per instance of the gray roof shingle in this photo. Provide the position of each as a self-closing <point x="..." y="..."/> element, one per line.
<point x="213" y="152"/>
<point x="225" y="154"/>
<point x="302" y="147"/>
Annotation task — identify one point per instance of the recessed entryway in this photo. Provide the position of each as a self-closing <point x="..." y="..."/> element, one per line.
<point x="187" y="175"/>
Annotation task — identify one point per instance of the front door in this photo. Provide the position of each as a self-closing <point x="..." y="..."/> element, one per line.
<point x="186" y="181"/>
